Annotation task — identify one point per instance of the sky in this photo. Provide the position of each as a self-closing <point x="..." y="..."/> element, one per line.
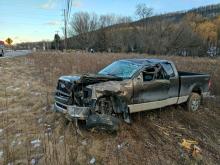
<point x="37" y="20"/>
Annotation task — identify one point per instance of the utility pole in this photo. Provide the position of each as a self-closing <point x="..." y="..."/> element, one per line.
<point x="57" y="45"/>
<point x="66" y="14"/>
<point x="65" y="29"/>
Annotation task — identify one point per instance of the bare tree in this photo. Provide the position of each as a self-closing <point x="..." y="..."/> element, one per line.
<point x="83" y="22"/>
<point x="142" y="11"/>
<point x="143" y="27"/>
<point x="107" y="20"/>
<point x="111" y="19"/>
<point x="83" y="25"/>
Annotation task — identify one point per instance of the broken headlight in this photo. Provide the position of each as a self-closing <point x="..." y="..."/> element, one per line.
<point x="87" y="93"/>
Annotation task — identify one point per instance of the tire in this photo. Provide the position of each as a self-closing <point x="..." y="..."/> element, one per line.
<point x="193" y="102"/>
<point x="103" y="122"/>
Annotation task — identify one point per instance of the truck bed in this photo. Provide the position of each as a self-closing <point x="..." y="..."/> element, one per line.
<point x="190" y="82"/>
<point x="181" y="73"/>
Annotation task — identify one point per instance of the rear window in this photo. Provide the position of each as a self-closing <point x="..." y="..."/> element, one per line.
<point x="169" y="69"/>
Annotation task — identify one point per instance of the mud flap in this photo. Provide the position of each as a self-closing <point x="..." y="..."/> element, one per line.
<point x="103" y="122"/>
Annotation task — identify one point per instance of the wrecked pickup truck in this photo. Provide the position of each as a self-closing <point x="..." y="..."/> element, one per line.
<point x="129" y="86"/>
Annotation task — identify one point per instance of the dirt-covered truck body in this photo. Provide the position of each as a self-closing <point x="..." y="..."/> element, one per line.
<point x="129" y="86"/>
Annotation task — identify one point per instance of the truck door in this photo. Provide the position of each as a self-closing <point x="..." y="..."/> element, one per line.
<point x="151" y="85"/>
<point x="174" y="80"/>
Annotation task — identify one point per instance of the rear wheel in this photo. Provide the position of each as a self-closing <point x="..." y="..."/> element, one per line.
<point x="193" y="102"/>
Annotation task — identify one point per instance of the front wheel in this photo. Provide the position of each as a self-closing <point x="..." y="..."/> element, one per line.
<point x="105" y="106"/>
<point x="193" y="102"/>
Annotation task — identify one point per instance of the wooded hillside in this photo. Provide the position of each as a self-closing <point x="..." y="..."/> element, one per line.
<point x="195" y="32"/>
<point x="188" y="33"/>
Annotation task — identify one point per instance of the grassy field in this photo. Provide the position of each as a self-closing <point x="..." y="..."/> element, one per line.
<point x="30" y="133"/>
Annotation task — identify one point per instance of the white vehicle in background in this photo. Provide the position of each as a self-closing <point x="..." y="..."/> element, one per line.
<point x="2" y="48"/>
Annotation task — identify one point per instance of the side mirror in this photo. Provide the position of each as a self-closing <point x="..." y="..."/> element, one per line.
<point x="139" y="77"/>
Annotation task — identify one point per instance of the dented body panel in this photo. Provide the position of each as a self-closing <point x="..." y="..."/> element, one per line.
<point x="141" y="84"/>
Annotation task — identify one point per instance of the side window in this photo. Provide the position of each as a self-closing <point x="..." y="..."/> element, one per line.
<point x="153" y="73"/>
<point x="148" y="74"/>
<point x="168" y="68"/>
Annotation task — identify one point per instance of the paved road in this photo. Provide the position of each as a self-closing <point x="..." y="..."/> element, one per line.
<point x="11" y="53"/>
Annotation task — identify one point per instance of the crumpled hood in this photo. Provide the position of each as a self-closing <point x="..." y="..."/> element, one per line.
<point x="88" y="79"/>
<point x="69" y="78"/>
<point x="121" y="88"/>
<point x="113" y="86"/>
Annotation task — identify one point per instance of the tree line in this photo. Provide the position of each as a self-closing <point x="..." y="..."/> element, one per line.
<point x="194" y="34"/>
<point x="188" y="33"/>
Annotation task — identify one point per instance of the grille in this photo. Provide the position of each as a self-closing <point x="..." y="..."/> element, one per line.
<point x="58" y="93"/>
<point x="64" y="86"/>
<point x="61" y="106"/>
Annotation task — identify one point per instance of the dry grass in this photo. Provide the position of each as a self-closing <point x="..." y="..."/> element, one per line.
<point x="52" y="65"/>
<point x="26" y="87"/>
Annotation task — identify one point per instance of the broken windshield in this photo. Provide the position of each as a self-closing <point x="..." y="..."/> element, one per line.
<point x="123" y="69"/>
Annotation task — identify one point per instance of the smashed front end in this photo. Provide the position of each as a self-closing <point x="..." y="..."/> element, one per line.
<point x="71" y="98"/>
<point x="74" y="96"/>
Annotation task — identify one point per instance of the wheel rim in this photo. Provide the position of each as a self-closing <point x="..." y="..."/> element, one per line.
<point x="104" y="107"/>
<point x="195" y="104"/>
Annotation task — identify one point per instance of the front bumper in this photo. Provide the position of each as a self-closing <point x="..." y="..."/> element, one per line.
<point x="72" y="111"/>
